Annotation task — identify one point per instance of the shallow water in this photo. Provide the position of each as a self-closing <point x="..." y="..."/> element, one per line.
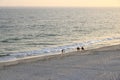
<point x="37" y="31"/>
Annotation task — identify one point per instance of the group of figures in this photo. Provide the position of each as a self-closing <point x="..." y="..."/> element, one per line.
<point x="78" y="49"/>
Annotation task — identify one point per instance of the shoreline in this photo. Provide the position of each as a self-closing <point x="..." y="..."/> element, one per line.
<point x="95" y="64"/>
<point x="50" y="56"/>
<point x="92" y="44"/>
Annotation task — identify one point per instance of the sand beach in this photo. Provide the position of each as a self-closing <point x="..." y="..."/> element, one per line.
<point x="95" y="64"/>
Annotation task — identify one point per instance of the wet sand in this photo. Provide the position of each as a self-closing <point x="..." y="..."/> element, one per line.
<point x="96" y="64"/>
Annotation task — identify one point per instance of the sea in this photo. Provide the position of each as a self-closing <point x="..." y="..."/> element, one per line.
<point x="27" y="32"/>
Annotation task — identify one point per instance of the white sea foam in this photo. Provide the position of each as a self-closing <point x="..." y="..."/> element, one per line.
<point x="54" y="50"/>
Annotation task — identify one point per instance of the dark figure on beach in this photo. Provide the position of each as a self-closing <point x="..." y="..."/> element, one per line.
<point x="82" y="48"/>
<point x="78" y="48"/>
<point x="63" y="51"/>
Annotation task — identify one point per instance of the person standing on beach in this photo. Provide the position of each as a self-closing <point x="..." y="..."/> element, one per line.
<point x="82" y="48"/>
<point x="63" y="51"/>
<point x="78" y="48"/>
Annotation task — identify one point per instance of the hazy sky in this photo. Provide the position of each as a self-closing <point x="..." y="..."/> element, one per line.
<point x="62" y="3"/>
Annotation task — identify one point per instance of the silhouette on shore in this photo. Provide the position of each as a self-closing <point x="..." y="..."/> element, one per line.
<point x="78" y="48"/>
<point x="82" y="48"/>
<point x="63" y="51"/>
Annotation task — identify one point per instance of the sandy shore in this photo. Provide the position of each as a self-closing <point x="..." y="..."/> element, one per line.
<point x="96" y="64"/>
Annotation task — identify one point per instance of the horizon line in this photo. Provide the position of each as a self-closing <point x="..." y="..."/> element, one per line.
<point x="59" y="6"/>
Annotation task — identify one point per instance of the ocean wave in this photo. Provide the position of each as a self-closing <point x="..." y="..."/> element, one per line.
<point x="52" y="50"/>
<point x="41" y="44"/>
<point x="10" y="40"/>
<point x="14" y="39"/>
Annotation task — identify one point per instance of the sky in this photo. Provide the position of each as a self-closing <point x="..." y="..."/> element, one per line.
<point x="61" y="3"/>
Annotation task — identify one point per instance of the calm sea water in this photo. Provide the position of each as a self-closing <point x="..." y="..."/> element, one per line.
<point x="35" y="31"/>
